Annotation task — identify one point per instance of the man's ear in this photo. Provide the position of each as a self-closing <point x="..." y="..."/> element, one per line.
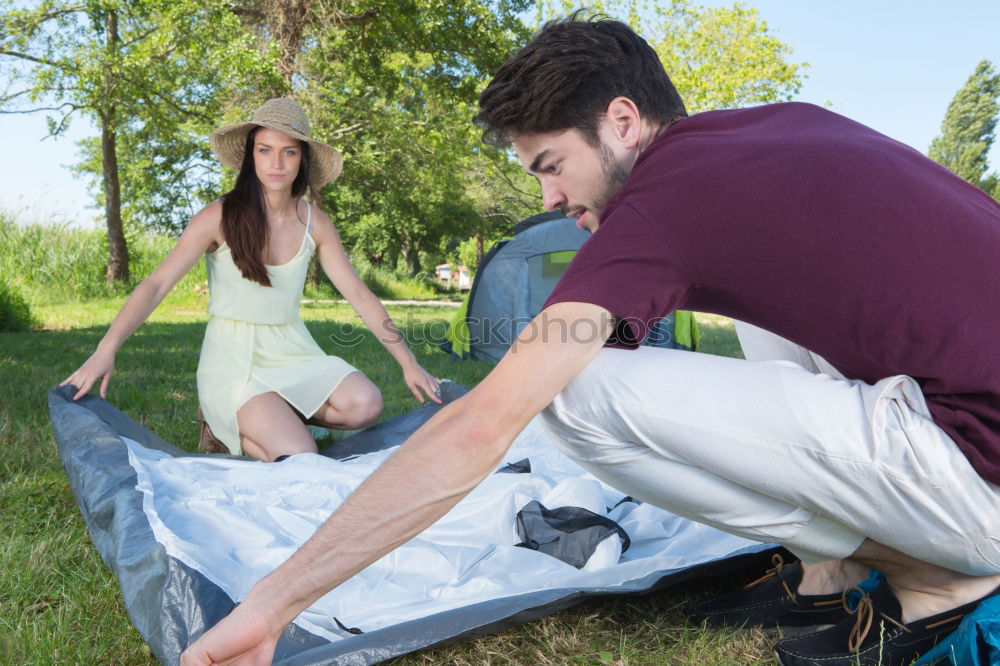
<point x="623" y="121"/>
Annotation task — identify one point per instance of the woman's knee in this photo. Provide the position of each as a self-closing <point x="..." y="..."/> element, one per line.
<point x="369" y="407"/>
<point x="360" y="406"/>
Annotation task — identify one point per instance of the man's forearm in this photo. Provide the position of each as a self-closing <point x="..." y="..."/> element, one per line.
<point x="440" y="464"/>
<point x="418" y="484"/>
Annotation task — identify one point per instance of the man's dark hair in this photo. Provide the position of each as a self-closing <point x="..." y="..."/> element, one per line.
<point x="568" y="74"/>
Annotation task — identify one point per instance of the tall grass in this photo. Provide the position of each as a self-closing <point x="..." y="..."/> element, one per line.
<point x="57" y="262"/>
<point x="53" y="263"/>
<point x="383" y="282"/>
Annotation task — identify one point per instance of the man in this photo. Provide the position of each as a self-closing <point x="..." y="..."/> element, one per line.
<point x="879" y="447"/>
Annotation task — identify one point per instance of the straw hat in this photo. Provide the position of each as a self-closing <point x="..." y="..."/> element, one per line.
<point x="285" y="115"/>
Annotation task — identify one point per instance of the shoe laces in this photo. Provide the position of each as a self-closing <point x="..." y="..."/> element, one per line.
<point x="864" y="611"/>
<point x="779" y="564"/>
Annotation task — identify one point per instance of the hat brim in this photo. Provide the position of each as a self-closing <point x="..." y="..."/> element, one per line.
<point x="229" y="144"/>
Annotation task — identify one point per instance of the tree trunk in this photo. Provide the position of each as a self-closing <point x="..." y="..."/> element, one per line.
<point x="117" y="250"/>
<point x="391" y="258"/>
<point x="411" y="253"/>
<point x="479" y="248"/>
<point x="314" y="274"/>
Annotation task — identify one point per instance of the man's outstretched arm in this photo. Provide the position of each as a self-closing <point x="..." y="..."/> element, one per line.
<point x="434" y="469"/>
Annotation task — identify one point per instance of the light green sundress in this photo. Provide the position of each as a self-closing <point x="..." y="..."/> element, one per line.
<point x="256" y="342"/>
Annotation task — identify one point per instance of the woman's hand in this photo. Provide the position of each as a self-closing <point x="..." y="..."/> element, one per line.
<point x="417" y="379"/>
<point x="99" y="366"/>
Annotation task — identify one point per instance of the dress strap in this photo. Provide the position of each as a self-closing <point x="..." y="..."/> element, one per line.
<point x="309" y="218"/>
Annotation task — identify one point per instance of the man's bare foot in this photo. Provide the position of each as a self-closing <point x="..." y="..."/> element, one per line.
<point x="924" y="601"/>
<point x="831" y="576"/>
<point x="923" y="589"/>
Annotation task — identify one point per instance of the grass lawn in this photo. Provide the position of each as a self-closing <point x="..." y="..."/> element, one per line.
<point x="59" y="604"/>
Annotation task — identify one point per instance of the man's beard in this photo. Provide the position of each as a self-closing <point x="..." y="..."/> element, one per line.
<point x="614" y="173"/>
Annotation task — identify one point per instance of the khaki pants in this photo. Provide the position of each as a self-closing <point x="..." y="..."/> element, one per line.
<point x="781" y="450"/>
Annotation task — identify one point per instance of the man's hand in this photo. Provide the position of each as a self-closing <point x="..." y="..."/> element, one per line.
<point x="243" y="638"/>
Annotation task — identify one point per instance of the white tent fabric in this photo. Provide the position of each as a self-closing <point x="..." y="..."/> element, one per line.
<point x="236" y="520"/>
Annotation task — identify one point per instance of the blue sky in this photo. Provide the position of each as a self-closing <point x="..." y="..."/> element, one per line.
<point x="893" y="65"/>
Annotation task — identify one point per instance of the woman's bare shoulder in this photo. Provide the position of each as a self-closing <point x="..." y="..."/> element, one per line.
<point x="207" y="224"/>
<point x="322" y="226"/>
<point x="211" y="212"/>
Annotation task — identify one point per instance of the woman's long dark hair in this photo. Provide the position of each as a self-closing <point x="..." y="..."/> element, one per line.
<point x="244" y="220"/>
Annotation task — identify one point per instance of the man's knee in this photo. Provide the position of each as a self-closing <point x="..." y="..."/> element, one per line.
<point x="567" y="433"/>
<point x="552" y="420"/>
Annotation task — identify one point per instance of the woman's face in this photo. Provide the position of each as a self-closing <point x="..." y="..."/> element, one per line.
<point x="276" y="158"/>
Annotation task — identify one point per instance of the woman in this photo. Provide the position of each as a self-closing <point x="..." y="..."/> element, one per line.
<point x="260" y="374"/>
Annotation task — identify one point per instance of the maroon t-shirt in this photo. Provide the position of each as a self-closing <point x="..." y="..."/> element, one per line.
<point x="819" y="229"/>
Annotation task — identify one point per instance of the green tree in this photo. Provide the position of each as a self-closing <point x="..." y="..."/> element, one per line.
<point x="393" y="85"/>
<point x="719" y="57"/>
<point x="468" y="254"/>
<point x="146" y="73"/>
<point x="969" y="129"/>
<point x="503" y="194"/>
<point x="723" y="57"/>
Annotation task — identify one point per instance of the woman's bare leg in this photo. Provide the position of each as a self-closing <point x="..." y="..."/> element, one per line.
<point x="355" y="403"/>
<point x="269" y="428"/>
